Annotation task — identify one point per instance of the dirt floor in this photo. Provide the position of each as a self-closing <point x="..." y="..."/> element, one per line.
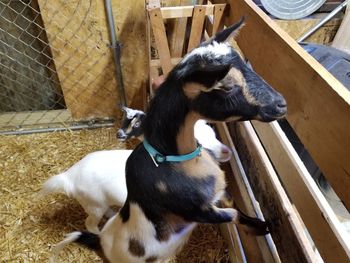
<point x="29" y="225"/>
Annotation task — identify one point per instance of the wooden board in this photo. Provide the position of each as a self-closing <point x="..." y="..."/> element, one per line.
<point x="286" y="229"/>
<point x="319" y="218"/>
<point x="257" y="249"/>
<point x="79" y="39"/>
<point x="318" y="104"/>
<point x="161" y="40"/>
<point x="297" y="28"/>
<point x="342" y="38"/>
<point x="178" y="32"/>
<point x="184" y="11"/>
<point x="196" y="27"/>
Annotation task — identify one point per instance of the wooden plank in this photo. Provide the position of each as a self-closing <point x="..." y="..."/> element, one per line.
<point x="160" y="38"/>
<point x="342" y="38"/>
<point x="157" y="63"/>
<point x="183" y="11"/>
<point x="257" y="249"/>
<point x="231" y="235"/>
<point x="318" y="104"/>
<point x="218" y="22"/>
<point x="177" y="36"/>
<point x="277" y="209"/>
<point x="297" y="28"/>
<point x="196" y="27"/>
<point x="318" y="216"/>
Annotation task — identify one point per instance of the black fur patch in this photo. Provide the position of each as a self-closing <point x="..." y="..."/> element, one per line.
<point x="255" y="225"/>
<point x="151" y="259"/>
<point x="92" y="241"/>
<point x="89" y="240"/>
<point x="185" y="195"/>
<point x="136" y="248"/>
<point x="125" y="212"/>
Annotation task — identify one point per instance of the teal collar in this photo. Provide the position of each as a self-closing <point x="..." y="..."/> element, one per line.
<point x="157" y="157"/>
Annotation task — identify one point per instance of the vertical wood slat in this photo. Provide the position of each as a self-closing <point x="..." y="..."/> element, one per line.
<point x="177" y="43"/>
<point x="177" y="38"/>
<point x="342" y="38"/>
<point x="158" y="28"/>
<point x="256" y="248"/>
<point x="286" y="229"/>
<point x="218" y="22"/>
<point x="196" y="27"/>
<point x="313" y="208"/>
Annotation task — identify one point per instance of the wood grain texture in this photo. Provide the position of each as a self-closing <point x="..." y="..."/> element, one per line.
<point x="297" y="28"/>
<point x="286" y="229"/>
<point x="318" y="104"/>
<point x="256" y="249"/>
<point x="196" y="27"/>
<point x="177" y="34"/>
<point x="160" y="37"/>
<point x="218" y="22"/>
<point x="319" y="218"/>
<point x="79" y="40"/>
<point x="342" y="38"/>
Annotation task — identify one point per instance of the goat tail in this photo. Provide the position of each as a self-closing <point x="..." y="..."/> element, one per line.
<point x="57" y="184"/>
<point x="87" y="239"/>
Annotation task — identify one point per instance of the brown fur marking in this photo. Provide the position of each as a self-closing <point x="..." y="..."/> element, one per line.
<point x="171" y="224"/>
<point x="192" y="90"/>
<point x="151" y="259"/>
<point x="162" y="187"/>
<point x="136" y="248"/>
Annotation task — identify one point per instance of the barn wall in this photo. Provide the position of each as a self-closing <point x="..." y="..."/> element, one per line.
<point x="27" y="81"/>
<point x="78" y="35"/>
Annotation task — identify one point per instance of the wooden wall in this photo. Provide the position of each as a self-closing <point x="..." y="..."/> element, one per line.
<point x="78" y="34"/>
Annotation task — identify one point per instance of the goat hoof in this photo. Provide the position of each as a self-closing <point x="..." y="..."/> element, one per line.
<point x="255" y="225"/>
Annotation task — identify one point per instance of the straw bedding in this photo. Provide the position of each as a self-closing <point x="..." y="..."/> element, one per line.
<point x="29" y="225"/>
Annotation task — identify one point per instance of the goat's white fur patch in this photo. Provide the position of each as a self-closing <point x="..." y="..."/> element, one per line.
<point x="215" y="49"/>
<point x="115" y="237"/>
<point x="131" y="113"/>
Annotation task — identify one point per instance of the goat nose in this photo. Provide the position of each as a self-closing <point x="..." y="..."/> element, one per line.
<point x="225" y="151"/>
<point x="281" y="105"/>
<point x="120" y="134"/>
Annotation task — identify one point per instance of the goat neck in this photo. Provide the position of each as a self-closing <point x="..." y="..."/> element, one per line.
<point x="168" y="121"/>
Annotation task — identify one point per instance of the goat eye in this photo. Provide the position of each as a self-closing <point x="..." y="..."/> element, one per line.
<point x="225" y="88"/>
<point x="137" y="124"/>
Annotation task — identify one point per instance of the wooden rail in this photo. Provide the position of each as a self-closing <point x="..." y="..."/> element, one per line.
<point x="320" y="220"/>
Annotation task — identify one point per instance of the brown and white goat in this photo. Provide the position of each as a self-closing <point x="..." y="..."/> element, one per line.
<point x="167" y="200"/>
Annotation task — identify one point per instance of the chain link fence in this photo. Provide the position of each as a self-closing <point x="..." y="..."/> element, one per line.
<point x="56" y="68"/>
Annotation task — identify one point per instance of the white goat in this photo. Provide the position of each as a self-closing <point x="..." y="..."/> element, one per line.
<point x="97" y="181"/>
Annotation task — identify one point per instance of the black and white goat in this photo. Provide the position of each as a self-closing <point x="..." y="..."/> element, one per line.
<point x="97" y="181"/>
<point x="167" y="199"/>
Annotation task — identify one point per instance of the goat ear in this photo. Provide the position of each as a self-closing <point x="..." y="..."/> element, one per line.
<point x="126" y="109"/>
<point x="208" y="75"/>
<point x="229" y="32"/>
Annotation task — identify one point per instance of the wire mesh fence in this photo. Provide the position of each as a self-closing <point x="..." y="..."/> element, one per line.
<point x="56" y="67"/>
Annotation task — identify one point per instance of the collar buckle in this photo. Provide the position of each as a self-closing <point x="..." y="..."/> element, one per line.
<point x="159" y="158"/>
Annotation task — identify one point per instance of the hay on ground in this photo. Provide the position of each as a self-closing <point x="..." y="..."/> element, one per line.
<point x="30" y="226"/>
